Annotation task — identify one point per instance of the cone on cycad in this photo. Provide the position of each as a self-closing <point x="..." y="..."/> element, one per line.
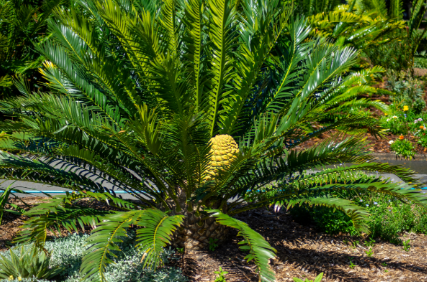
<point x="224" y="151"/>
<point x="195" y="231"/>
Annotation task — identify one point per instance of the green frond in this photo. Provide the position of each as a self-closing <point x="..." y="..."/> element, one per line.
<point x="152" y="238"/>
<point x="12" y="167"/>
<point x="194" y="10"/>
<point x="298" y="31"/>
<point x="222" y="37"/>
<point x="379" y="6"/>
<point x="147" y="129"/>
<point x="124" y="26"/>
<point x="357" y="214"/>
<point x="108" y="198"/>
<point x="57" y="212"/>
<point x="260" y="250"/>
<point x="259" y="39"/>
<point x="169" y="22"/>
<point x="156" y="234"/>
<point x="103" y="241"/>
<point x="418" y="10"/>
<point x="396" y="9"/>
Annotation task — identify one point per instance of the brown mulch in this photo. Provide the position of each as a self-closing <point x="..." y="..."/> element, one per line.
<point x="11" y="223"/>
<point x="302" y="252"/>
<point x="377" y="145"/>
<point x="420" y="72"/>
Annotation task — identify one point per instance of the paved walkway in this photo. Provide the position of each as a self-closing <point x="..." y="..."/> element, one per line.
<point x="35" y="188"/>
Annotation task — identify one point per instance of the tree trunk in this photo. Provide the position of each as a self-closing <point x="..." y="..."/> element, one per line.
<point x="194" y="233"/>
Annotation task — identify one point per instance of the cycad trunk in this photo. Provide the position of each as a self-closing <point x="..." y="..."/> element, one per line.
<point x="195" y="232"/>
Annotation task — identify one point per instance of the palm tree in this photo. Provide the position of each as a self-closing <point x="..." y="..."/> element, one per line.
<point x="186" y="105"/>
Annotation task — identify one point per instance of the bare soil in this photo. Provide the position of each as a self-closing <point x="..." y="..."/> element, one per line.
<point x="302" y="252"/>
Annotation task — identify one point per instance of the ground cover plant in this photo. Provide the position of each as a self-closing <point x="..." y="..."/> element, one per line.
<point x="403" y="148"/>
<point x="407" y="91"/>
<point x="28" y="263"/>
<point x="404" y="123"/>
<point x="185" y="119"/>
<point x="65" y="255"/>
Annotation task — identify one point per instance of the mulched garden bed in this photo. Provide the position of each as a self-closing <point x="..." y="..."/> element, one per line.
<point x="375" y="145"/>
<point x="302" y="251"/>
<point x="379" y="145"/>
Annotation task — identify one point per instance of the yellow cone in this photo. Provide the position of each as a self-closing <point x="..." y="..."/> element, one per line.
<point x="224" y="151"/>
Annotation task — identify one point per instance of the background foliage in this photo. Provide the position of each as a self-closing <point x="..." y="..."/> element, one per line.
<point x="23" y="26"/>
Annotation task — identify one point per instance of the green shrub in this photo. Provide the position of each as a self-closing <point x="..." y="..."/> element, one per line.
<point x="423" y="140"/>
<point x="403" y="148"/>
<point x="395" y="124"/>
<point x="389" y="217"/>
<point x="418" y="105"/>
<point x="396" y="55"/>
<point x="328" y="220"/>
<point x="333" y="222"/>
<point x="408" y="91"/>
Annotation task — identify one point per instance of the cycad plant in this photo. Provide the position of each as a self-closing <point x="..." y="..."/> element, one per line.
<point x="366" y="24"/>
<point x="413" y="35"/>
<point x="23" y="23"/>
<point x="192" y="107"/>
<point x="362" y="24"/>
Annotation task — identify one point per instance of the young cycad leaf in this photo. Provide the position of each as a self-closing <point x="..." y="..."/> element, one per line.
<point x="193" y="41"/>
<point x="146" y="127"/>
<point x="156" y="235"/>
<point x="259" y="249"/>
<point x="222" y="35"/>
<point x="318" y="279"/>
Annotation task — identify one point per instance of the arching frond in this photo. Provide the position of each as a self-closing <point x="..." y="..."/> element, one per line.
<point x="357" y="214"/>
<point x="152" y="238"/>
<point x="259" y="249"/>
<point x="156" y="234"/>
